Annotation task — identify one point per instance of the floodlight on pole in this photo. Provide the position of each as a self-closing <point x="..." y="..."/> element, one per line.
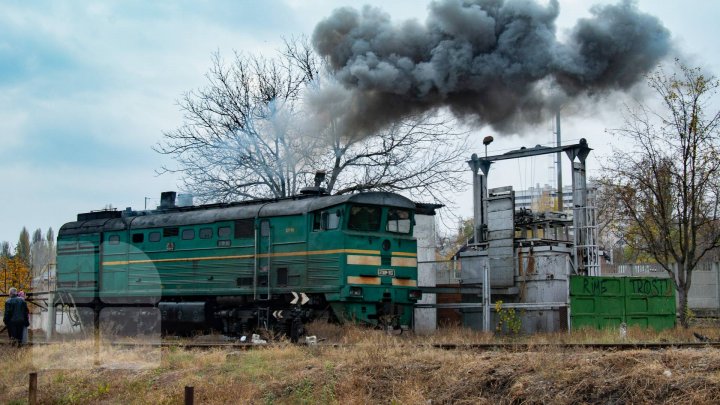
<point x="487" y="141"/>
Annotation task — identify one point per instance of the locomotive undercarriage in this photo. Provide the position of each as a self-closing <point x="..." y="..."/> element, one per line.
<point x="384" y="315"/>
<point x="230" y="315"/>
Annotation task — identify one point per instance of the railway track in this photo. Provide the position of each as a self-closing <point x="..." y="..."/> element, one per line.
<point x="512" y="347"/>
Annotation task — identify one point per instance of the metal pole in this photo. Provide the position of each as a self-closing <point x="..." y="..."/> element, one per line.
<point x="576" y="224"/>
<point x="558" y="156"/>
<point x="477" y="209"/>
<point x="486" y="298"/>
<point x="717" y="273"/>
<point x="50" y="327"/>
<point x="568" y="272"/>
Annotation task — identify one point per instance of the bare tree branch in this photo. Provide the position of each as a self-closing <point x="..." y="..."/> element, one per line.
<point x="245" y="136"/>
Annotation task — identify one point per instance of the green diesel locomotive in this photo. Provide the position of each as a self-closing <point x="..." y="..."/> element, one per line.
<point x="238" y="266"/>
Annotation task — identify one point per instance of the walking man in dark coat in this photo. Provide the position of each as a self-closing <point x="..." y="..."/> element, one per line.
<point x="16" y="317"/>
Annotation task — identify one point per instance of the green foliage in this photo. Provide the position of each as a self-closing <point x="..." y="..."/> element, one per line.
<point x="507" y="317"/>
<point x="302" y="392"/>
<point x="102" y="389"/>
<point x="4" y="249"/>
<point x="689" y="315"/>
<point x="22" y="251"/>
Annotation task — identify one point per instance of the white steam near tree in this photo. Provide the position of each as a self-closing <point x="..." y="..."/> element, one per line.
<point x="491" y="62"/>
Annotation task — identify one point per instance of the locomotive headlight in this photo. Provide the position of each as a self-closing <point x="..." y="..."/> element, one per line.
<point x="414" y="294"/>
<point x="356" y="291"/>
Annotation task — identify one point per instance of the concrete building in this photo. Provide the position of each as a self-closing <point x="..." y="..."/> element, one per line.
<point x="543" y="198"/>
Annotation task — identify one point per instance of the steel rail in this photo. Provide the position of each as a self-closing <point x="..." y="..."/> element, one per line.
<point x="500" y="346"/>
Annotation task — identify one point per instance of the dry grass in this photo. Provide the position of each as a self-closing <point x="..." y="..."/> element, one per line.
<point x="373" y="367"/>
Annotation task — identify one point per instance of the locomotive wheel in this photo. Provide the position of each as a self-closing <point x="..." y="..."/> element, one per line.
<point x="297" y="329"/>
<point x="389" y="323"/>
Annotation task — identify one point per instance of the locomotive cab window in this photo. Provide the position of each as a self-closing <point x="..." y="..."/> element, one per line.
<point x="326" y="220"/>
<point x="154" y="236"/>
<point x="364" y="218"/>
<point x="188" y="234"/>
<point x="398" y="221"/>
<point x="138" y="238"/>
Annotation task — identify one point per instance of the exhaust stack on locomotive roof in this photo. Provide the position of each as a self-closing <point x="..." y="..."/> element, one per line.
<point x="319" y="177"/>
<point x="167" y="200"/>
<point x="316" y="189"/>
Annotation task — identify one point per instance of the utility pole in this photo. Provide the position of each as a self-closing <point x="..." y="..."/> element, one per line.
<point x="558" y="157"/>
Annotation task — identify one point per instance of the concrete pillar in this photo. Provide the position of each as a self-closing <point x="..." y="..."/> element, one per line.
<point x="424" y="232"/>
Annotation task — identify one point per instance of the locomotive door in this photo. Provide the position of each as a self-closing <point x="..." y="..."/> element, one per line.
<point x="263" y="261"/>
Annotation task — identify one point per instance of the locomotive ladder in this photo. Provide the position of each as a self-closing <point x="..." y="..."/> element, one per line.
<point x="264" y="318"/>
<point x="259" y="268"/>
<point x="75" y="319"/>
<point x="263" y="313"/>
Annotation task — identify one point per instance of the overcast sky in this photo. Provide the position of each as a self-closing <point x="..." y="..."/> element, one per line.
<point x="87" y="88"/>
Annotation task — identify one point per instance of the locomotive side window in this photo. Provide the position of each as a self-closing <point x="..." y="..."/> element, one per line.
<point x="114" y="239"/>
<point x="364" y="218"/>
<point x="398" y="221"/>
<point x="206" y="233"/>
<point x="244" y="228"/>
<point x="138" y="237"/>
<point x="188" y="234"/>
<point x="167" y="232"/>
<point x="316" y="222"/>
<point x="224" y="232"/>
<point x="326" y="220"/>
<point x="154" y="236"/>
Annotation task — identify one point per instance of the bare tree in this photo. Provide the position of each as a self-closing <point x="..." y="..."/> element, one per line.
<point x="666" y="186"/>
<point x="245" y="136"/>
<point x="421" y="154"/>
<point x="236" y="141"/>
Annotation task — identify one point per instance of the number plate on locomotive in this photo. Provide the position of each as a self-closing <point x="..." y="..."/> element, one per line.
<point x="386" y="272"/>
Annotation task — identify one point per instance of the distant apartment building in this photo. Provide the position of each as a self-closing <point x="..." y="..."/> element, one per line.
<point x="543" y="198"/>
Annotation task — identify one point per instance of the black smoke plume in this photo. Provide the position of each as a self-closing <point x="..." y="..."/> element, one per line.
<point x="491" y="62"/>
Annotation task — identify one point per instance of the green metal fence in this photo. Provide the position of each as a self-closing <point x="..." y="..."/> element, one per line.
<point x="603" y="302"/>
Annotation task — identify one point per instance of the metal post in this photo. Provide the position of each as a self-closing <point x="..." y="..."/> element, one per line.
<point x="32" y="390"/>
<point x="576" y="225"/>
<point x="50" y="327"/>
<point x="477" y="201"/>
<point x="716" y="265"/>
<point x="486" y="298"/>
<point x="568" y="272"/>
<point x="558" y="156"/>
<point x="189" y="395"/>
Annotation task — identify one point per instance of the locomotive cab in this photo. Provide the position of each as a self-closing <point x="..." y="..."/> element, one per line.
<point x="380" y="262"/>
